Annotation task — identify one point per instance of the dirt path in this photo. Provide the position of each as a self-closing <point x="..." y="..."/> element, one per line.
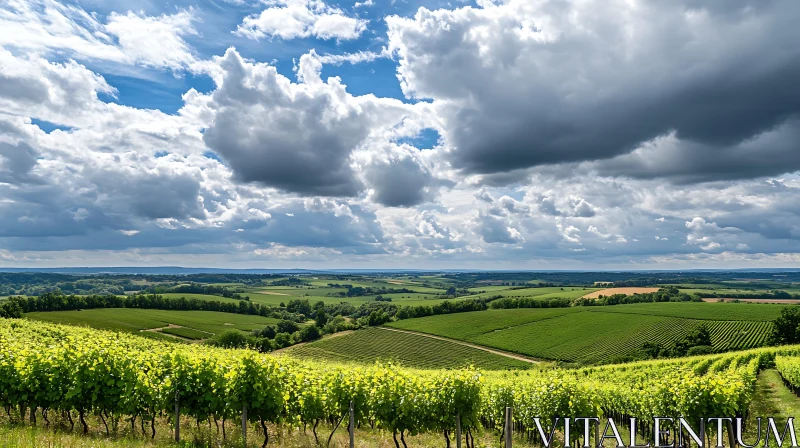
<point x="467" y="344"/>
<point x="327" y="336"/>
<point x="158" y="330"/>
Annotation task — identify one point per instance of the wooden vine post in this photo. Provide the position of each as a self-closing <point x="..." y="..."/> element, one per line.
<point x="351" y="428"/>
<point x="177" y="416"/>
<point x="509" y="426"/>
<point x="458" y="430"/>
<point x="244" y="425"/>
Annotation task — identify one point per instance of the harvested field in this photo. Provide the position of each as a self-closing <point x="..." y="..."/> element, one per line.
<point x="272" y="293"/>
<point x="612" y="291"/>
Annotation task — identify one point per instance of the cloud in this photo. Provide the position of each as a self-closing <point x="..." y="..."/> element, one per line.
<point x="47" y="26"/>
<point x="399" y="178"/>
<point x="297" y="137"/>
<point x="523" y="84"/>
<point x="292" y="19"/>
<point x="154" y="41"/>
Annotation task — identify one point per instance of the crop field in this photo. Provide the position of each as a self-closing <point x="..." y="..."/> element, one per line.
<point x="176" y="295"/>
<point x="602" y="337"/>
<point x="186" y="333"/>
<point x="464" y="326"/>
<point x="372" y="344"/>
<point x="601" y="334"/>
<point x="612" y="291"/>
<point x="134" y="320"/>
<point x="696" y="310"/>
<point x="567" y="292"/>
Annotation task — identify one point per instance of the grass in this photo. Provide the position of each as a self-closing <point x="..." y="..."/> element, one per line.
<point x="18" y="436"/>
<point x="601" y="334"/>
<point x="133" y="320"/>
<point x="771" y="399"/>
<point x="372" y="344"/>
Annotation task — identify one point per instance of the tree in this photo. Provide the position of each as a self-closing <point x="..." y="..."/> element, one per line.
<point x="299" y="306"/>
<point x="652" y="349"/>
<point x="268" y="332"/>
<point x="11" y="310"/>
<point x="451" y="291"/>
<point x="283" y="340"/>
<point x="785" y="326"/>
<point x="230" y="339"/>
<point x="309" y="333"/>
<point x="320" y="318"/>
<point x="376" y="318"/>
<point x="287" y="326"/>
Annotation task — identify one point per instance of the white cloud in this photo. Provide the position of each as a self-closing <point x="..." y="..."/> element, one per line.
<point x="154" y="41"/>
<point x="48" y="26"/>
<point x="292" y="19"/>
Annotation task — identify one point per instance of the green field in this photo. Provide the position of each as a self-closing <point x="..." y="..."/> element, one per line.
<point x="696" y="310"/>
<point x="187" y="333"/>
<point x="371" y="344"/>
<point x="601" y="334"/>
<point x="464" y="326"/>
<point x="134" y="320"/>
<point x="208" y="297"/>
<point x="555" y="292"/>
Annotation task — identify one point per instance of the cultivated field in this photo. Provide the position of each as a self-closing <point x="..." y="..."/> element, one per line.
<point x="611" y="291"/>
<point x="195" y="324"/>
<point x="601" y="334"/>
<point x="771" y="301"/>
<point x="697" y="310"/>
<point x="566" y="292"/>
<point x="373" y="344"/>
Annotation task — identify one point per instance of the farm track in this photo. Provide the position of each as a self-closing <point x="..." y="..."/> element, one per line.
<point x="191" y="341"/>
<point x="466" y="344"/>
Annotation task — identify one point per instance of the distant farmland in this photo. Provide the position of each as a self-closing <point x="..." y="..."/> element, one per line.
<point x="611" y="291"/>
<point x="193" y="324"/>
<point x="601" y="334"/>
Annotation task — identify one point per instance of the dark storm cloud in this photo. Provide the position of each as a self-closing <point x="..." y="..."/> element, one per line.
<point x="584" y="85"/>
<point x="400" y="182"/>
<point x="295" y="137"/>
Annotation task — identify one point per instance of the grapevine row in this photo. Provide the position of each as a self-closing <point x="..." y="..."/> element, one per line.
<point x="67" y="369"/>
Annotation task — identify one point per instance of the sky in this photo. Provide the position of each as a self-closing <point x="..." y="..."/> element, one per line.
<point x="516" y="134"/>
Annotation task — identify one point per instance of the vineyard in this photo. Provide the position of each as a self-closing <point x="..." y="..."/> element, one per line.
<point x="369" y="345"/>
<point x="601" y="334"/>
<point x="703" y="311"/>
<point x="126" y="380"/>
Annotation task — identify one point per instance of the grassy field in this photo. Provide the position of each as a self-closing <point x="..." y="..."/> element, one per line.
<point x="134" y="320"/>
<point x="369" y="345"/>
<point x="601" y="334"/>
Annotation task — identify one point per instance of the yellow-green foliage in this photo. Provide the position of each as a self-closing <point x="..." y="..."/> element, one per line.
<point x="789" y="367"/>
<point x="62" y="368"/>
